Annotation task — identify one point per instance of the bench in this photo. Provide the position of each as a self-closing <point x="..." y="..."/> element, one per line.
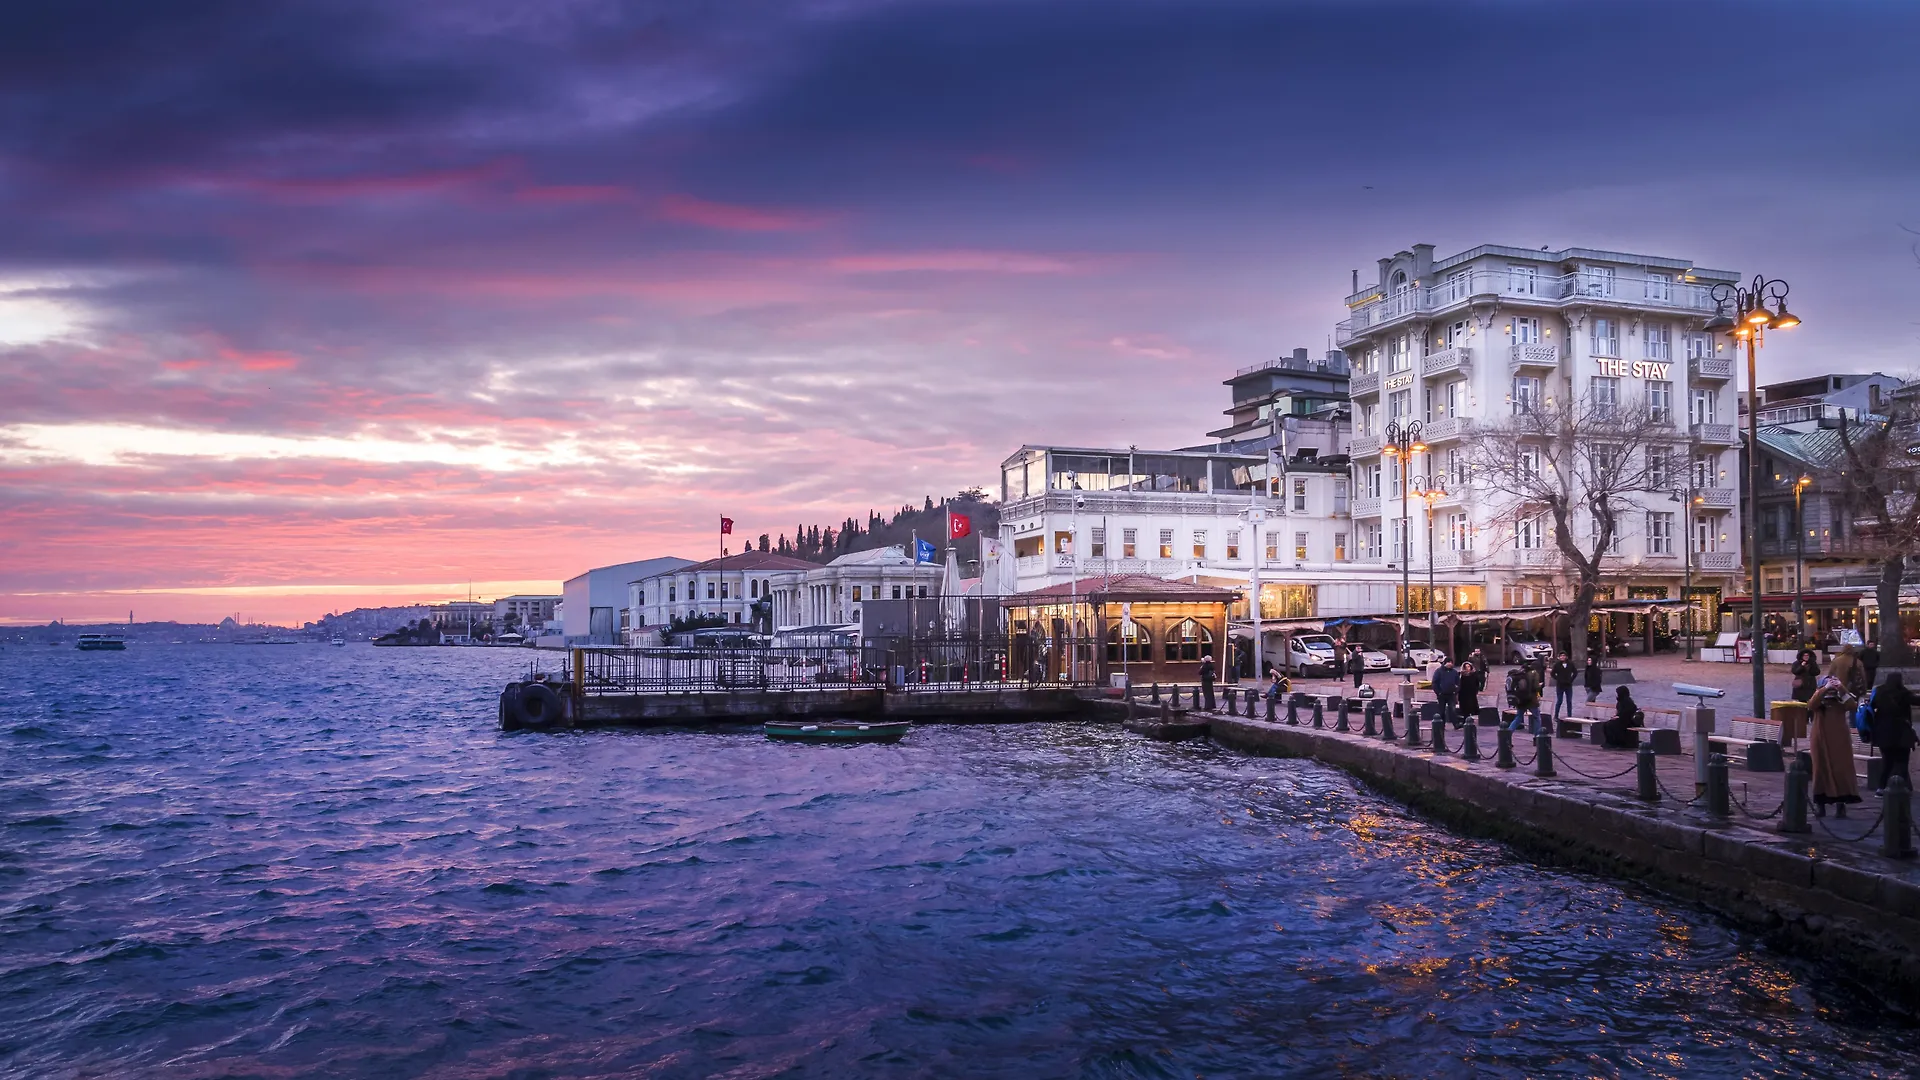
<point x="1660" y="728"/>
<point x="1758" y="739"/>
<point x="1584" y="722"/>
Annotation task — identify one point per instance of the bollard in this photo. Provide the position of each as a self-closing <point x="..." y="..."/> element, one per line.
<point x="1793" y="805"/>
<point x="1366" y="717"/>
<point x="1503" y="748"/>
<point x="1386" y="724"/>
<point x="1644" y="762"/>
<point x="1470" y="742"/>
<point x="1270" y="710"/>
<point x="1896" y="834"/>
<point x="1232" y="693"/>
<point x="1340" y="714"/>
<point x="1437" y="728"/>
<point x="1166" y="713"/>
<point x="1412" y="717"/>
<point x="1319" y="714"/>
<point x="1719" y="797"/>
<point x="1543" y="755"/>
<point x="1250" y="703"/>
<point x="1156" y="694"/>
<point x="1293" y="709"/>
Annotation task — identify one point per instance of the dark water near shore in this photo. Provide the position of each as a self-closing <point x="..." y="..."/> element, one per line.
<point x="278" y="861"/>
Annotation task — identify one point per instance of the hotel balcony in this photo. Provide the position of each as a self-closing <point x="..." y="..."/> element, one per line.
<point x="1447" y="428"/>
<point x="1715" y="434"/>
<point x="1365" y="508"/>
<point x="1363" y="384"/>
<point x="1455" y="560"/>
<point x="1373" y="308"/>
<point x="1364" y="446"/>
<point x="1703" y="367"/>
<point x="1717" y="498"/>
<point x="1447" y="361"/>
<point x="1717" y="560"/>
<point x="1532" y="356"/>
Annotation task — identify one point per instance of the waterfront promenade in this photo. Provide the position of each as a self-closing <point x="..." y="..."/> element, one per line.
<point x="1828" y="891"/>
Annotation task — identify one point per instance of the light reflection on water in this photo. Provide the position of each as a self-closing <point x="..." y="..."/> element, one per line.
<point x="297" y="860"/>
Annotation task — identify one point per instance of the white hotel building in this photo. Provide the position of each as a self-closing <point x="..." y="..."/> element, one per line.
<point x="1451" y="343"/>
<point x="1477" y="336"/>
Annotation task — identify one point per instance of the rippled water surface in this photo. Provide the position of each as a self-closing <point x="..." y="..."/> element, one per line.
<point x="297" y="860"/>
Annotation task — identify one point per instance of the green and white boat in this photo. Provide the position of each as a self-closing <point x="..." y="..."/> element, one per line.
<point x="836" y="731"/>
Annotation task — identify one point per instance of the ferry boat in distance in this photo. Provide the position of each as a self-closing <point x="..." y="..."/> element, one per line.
<point x="100" y="643"/>
<point x="338" y="640"/>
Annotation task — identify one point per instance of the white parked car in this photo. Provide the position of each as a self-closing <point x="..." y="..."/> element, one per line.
<point x="1311" y="654"/>
<point x="1424" y="655"/>
<point x="1376" y="660"/>
<point x="1523" y="647"/>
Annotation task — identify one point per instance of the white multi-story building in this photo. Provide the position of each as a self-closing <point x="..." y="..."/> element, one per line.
<point x="529" y="610"/>
<point x="728" y="587"/>
<point x="831" y="595"/>
<point x="1491" y="331"/>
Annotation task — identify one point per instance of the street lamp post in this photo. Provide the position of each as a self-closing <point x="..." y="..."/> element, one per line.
<point x="1431" y="490"/>
<point x="1687" y="499"/>
<point x="1741" y="313"/>
<point x="1799" y="562"/>
<point x="1402" y="442"/>
<point x="1256" y="514"/>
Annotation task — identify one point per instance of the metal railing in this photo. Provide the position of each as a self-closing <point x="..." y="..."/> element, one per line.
<point x="1458" y="288"/>
<point x="667" y="671"/>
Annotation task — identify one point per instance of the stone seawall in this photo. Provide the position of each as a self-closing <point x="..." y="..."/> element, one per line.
<point x="1811" y="895"/>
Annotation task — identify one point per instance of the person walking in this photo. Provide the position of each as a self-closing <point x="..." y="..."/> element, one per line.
<point x="1562" y="685"/>
<point x="1356" y="665"/>
<point x="1446" y="688"/>
<point x="1870" y="663"/>
<point x="1890" y="728"/>
<point x="1591" y="678"/>
<point x="1206" y="682"/>
<point x="1806" y="672"/>
<point x="1832" y="745"/>
<point x="1472" y="681"/>
<point x="1524" y="700"/>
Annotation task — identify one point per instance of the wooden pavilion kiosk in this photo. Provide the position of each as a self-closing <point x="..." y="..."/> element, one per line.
<point x="1149" y="628"/>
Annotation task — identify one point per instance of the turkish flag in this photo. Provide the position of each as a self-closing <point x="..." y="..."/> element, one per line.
<point x="958" y="525"/>
<point x="726" y="526"/>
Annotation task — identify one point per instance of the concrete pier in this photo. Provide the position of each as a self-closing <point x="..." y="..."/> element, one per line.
<point x="1824" y="894"/>
<point x="958" y="704"/>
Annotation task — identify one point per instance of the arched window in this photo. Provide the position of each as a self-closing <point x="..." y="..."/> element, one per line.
<point x="1188" y="640"/>
<point x="1128" y="643"/>
<point x="1399" y="279"/>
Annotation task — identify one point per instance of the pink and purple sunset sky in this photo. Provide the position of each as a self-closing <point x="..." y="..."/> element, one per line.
<point x="311" y="305"/>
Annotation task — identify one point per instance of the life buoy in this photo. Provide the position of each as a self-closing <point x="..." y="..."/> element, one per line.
<point x="537" y="706"/>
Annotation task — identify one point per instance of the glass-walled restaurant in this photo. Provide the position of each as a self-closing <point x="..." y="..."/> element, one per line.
<point x="1037" y="470"/>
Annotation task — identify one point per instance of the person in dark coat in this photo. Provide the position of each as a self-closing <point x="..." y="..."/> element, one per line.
<point x="1891" y="730"/>
<point x="1870" y="663"/>
<point x="1206" y="682"/>
<point x="1806" y="672"/>
<point x="1356" y="665"/>
<point x="1562" y="685"/>
<point x="1472" y="681"/>
<point x="1618" y="731"/>
<point x="1592" y="679"/>
<point x="1446" y="689"/>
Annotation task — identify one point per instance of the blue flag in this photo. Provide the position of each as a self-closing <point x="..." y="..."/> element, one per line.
<point x="923" y="551"/>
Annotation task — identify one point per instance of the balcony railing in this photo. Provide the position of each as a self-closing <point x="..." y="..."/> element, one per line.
<point x="1364" y="384"/>
<point x="1454" y="560"/>
<point x="1717" y="498"/>
<point x="1363" y="508"/>
<point x="1447" y="427"/>
<point x="1445" y="361"/>
<point x="1577" y="288"/>
<point x="1706" y="367"/>
<point x="1717" y="560"/>
<point x="1137" y="502"/>
<point x="1364" y="446"/>
<point x="1715" y="434"/>
<point x="1534" y="355"/>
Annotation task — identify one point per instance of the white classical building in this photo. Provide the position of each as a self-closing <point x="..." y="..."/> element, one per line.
<point x="1486" y="333"/>
<point x="728" y="587"/>
<point x="831" y="595"/>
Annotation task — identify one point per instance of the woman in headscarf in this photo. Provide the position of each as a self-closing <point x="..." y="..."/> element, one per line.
<point x="1831" y="740"/>
<point x="1806" y="672"/>
<point x="1618" y="731"/>
<point x="1848" y="669"/>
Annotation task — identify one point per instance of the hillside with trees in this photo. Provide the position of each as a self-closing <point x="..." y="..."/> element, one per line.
<point x="928" y="521"/>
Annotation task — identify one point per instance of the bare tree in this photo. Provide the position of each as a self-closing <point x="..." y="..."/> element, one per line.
<point x="1881" y="477"/>
<point x="1575" y="473"/>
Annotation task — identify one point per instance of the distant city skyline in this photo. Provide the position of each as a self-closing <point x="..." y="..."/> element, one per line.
<point x="305" y="308"/>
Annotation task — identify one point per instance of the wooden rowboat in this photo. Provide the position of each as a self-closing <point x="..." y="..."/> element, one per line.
<point x="837" y="730"/>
